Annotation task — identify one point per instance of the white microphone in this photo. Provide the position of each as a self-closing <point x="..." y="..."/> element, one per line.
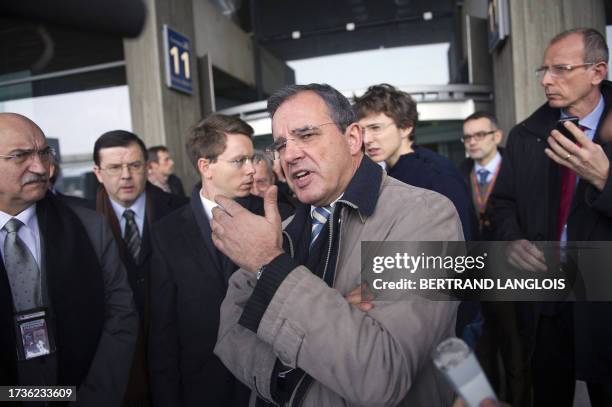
<point x="459" y="364"/>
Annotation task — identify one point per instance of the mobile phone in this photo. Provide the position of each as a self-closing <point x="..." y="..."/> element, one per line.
<point x="561" y="128"/>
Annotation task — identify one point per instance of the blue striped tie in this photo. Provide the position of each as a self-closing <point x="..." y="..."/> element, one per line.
<point x="319" y="217"/>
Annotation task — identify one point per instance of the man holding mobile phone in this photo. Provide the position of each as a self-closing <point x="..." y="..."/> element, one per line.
<point x="550" y="189"/>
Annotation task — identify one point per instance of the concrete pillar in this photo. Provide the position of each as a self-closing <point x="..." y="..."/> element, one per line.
<point x="161" y="115"/>
<point x="532" y="25"/>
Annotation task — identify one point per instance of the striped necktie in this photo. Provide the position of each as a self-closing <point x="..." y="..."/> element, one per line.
<point x="319" y="217"/>
<point x="131" y="236"/>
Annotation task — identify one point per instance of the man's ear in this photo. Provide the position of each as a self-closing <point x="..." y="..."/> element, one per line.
<point x="498" y="136"/>
<point x="354" y="136"/>
<point x="601" y="70"/>
<point x="406" y="132"/>
<point x="204" y="167"/>
<point x="98" y="173"/>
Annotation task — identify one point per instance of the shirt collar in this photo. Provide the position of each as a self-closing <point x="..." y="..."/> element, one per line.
<point x="208" y="205"/>
<point x="138" y="207"/>
<point x="363" y="189"/>
<point x="591" y="120"/>
<point x="27" y="217"/>
<point x="332" y="205"/>
<point x="491" y="166"/>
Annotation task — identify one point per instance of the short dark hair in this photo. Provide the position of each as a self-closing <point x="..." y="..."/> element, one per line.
<point x="483" y="115"/>
<point x="117" y="138"/>
<point x="338" y="105"/>
<point x="385" y="98"/>
<point x="595" y="47"/>
<point x="152" y="152"/>
<point x="208" y="138"/>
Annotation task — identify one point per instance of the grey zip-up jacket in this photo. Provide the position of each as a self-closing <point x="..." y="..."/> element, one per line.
<point x="376" y="358"/>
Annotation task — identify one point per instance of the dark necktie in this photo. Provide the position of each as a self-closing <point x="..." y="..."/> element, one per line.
<point x="568" y="184"/>
<point x="319" y="217"/>
<point x="22" y="269"/>
<point x="483" y="174"/>
<point x="131" y="237"/>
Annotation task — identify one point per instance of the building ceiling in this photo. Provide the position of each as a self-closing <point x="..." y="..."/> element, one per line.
<point x="321" y="25"/>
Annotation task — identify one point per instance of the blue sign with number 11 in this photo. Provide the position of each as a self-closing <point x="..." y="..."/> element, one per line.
<point x="177" y="48"/>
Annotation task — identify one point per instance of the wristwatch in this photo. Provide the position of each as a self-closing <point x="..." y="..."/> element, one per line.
<point x="261" y="270"/>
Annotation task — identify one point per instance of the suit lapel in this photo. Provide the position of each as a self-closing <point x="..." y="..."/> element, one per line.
<point x="200" y="247"/>
<point x="203" y="227"/>
<point x="8" y="361"/>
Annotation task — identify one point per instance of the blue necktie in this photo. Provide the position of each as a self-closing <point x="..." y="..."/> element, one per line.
<point x="483" y="174"/>
<point x="319" y="217"/>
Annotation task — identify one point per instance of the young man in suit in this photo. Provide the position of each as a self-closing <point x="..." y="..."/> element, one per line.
<point x="481" y="138"/>
<point x="551" y="189"/>
<point x="131" y="205"/>
<point x="60" y="266"/>
<point x="190" y="276"/>
<point x="160" y="166"/>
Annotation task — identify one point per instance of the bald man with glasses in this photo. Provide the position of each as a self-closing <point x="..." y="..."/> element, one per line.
<point x="552" y="189"/>
<point x="66" y="310"/>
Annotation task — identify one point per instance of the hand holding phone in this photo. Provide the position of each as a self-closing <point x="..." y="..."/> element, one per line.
<point x="561" y="127"/>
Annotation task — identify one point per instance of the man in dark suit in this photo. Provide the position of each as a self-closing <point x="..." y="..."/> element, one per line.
<point x="131" y="205"/>
<point x="160" y="168"/>
<point x="481" y="138"/>
<point x="190" y="276"/>
<point x="550" y="189"/>
<point x="61" y="267"/>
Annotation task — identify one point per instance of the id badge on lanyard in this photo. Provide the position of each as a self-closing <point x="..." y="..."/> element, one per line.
<point x="34" y="337"/>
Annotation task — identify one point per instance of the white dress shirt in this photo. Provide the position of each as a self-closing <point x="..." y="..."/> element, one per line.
<point x="29" y="233"/>
<point x="491" y="166"/>
<point x="139" y="212"/>
<point x="208" y="205"/>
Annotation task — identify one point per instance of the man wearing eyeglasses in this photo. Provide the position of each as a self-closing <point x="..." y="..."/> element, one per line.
<point x="286" y="328"/>
<point x="545" y="192"/>
<point x="66" y="310"/>
<point x="131" y="205"/>
<point x="190" y="276"/>
<point x="481" y="139"/>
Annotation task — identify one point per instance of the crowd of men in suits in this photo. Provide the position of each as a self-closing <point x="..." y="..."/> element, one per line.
<point x="247" y="292"/>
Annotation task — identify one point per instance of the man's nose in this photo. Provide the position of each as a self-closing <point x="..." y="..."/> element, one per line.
<point x="292" y="152"/>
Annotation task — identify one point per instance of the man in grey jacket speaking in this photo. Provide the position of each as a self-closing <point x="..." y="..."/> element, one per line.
<point x="289" y="330"/>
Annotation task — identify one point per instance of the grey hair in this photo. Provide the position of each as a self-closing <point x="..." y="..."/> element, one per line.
<point x="595" y="47"/>
<point x="260" y="156"/>
<point x="339" y="107"/>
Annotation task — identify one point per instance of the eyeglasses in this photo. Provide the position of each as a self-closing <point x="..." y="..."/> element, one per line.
<point x="117" y="169"/>
<point x="301" y="137"/>
<point x="560" y="70"/>
<point x="22" y="156"/>
<point x="375" y="129"/>
<point x="237" y="162"/>
<point x="479" y="135"/>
